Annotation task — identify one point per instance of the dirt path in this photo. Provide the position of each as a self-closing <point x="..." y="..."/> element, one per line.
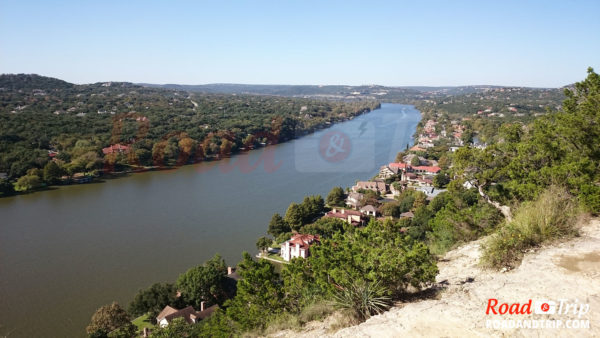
<point x="569" y="270"/>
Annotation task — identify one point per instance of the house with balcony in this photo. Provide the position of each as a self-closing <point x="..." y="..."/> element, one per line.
<point x="298" y="246"/>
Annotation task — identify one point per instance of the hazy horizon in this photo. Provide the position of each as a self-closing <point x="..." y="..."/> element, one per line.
<point x="300" y="84"/>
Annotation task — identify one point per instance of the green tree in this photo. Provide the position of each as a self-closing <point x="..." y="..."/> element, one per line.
<point x="294" y="216"/>
<point x="391" y="209"/>
<point x="177" y="328"/>
<point x="263" y="243"/>
<point x="336" y="197"/>
<point x="278" y="225"/>
<point x="28" y="183"/>
<point x="415" y="161"/>
<point x="312" y="208"/>
<point x="441" y="180"/>
<point x="326" y="227"/>
<point x="375" y="253"/>
<point x="420" y="199"/>
<point x="52" y="173"/>
<point x="258" y="293"/>
<point x="108" y="318"/>
<point x="217" y="325"/>
<point x="153" y="299"/>
<point x="204" y="283"/>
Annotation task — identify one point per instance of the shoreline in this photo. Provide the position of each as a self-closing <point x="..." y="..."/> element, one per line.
<point x="211" y="158"/>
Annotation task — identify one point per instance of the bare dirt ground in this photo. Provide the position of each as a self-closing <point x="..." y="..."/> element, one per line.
<point x="569" y="271"/>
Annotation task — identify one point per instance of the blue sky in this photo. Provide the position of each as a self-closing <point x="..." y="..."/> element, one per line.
<point x="528" y="43"/>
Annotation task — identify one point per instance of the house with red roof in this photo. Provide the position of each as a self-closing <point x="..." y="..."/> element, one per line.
<point x="400" y="165"/>
<point x="430" y="170"/>
<point x="115" y="148"/>
<point x="189" y="314"/>
<point x="298" y="246"/>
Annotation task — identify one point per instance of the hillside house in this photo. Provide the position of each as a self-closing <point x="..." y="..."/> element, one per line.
<point x="353" y="199"/>
<point x="189" y="314"/>
<point x="377" y="186"/>
<point x="387" y="172"/>
<point x="298" y="246"/>
<point x="369" y="210"/>
<point x="115" y="148"/>
<point x="353" y="217"/>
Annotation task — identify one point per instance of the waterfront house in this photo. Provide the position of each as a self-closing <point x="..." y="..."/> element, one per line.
<point x="387" y="172"/>
<point x="189" y="314"/>
<point x="298" y="246"/>
<point x="115" y="148"/>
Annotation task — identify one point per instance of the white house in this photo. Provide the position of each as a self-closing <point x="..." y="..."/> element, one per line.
<point x="353" y="199"/>
<point x="298" y="246"/>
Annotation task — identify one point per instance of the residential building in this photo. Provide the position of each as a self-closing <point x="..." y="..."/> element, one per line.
<point x="353" y="199"/>
<point x="387" y="172"/>
<point x="115" y="148"/>
<point x="189" y="314"/>
<point x="377" y="186"/>
<point x="430" y="170"/>
<point x="369" y="210"/>
<point x="349" y="216"/>
<point x="298" y="246"/>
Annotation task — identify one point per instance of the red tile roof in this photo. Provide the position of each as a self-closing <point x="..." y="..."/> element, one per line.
<point x="430" y="169"/>
<point x="399" y="165"/>
<point x="115" y="148"/>
<point x="304" y="240"/>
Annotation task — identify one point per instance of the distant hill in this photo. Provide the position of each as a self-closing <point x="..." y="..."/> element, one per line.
<point x="404" y="94"/>
<point x="30" y="82"/>
<point x="340" y="92"/>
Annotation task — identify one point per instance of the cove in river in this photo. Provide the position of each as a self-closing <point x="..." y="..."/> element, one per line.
<point x="68" y="251"/>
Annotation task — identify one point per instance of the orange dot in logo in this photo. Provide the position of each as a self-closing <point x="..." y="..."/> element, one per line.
<point x="545" y="307"/>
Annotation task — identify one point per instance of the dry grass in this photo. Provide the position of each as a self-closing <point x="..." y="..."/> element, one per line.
<point x="288" y="321"/>
<point x="555" y="215"/>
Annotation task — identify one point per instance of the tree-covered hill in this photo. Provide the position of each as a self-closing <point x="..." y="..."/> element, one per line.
<point x="41" y="116"/>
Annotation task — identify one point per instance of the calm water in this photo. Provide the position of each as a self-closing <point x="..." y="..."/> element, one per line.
<point x="66" y="252"/>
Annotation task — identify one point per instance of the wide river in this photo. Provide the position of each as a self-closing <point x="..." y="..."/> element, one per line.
<point x="68" y="251"/>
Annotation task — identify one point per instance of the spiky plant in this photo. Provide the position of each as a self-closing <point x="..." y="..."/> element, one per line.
<point x="364" y="299"/>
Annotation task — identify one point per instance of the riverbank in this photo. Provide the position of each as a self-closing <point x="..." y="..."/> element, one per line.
<point x="36" y="182"/>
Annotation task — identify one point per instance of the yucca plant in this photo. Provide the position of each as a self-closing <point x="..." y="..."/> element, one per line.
<point x="364" y="299"/>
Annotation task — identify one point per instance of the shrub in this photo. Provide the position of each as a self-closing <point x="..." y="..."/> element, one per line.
<point x="363" y="299"/>
<point x="554" y="215"/>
